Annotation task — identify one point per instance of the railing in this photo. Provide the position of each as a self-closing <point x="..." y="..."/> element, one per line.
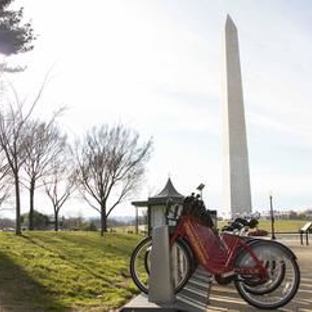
<point x="304" y="231"/>
<point x="302" y="235"/>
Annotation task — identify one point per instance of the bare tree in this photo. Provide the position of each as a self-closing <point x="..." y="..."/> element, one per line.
<point x="60" y="184"/>
<point x="5" y="179"/>
<point x="13" y="118"/>
<point x="12" y="142"/>
<point x="111" y="164"/>
<point x="43" y="143"/>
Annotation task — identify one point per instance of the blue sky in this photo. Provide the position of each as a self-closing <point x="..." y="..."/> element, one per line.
<point x="157" y="66"/>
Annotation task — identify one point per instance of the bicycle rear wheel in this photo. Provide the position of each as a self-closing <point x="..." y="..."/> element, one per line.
<point x="140" y="264"/>
<point x="283" y="276"/>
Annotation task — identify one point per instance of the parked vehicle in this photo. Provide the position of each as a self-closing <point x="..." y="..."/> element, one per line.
<point x="265" y="272"/>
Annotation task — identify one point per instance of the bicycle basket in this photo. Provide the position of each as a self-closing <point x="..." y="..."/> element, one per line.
<point x="195" y="207"/>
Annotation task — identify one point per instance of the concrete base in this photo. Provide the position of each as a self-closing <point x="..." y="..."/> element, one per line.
<point x="193" y="298"/>
<point x="161" y="283"/>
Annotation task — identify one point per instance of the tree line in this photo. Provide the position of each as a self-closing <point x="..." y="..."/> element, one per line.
<point x="104" y="166"/>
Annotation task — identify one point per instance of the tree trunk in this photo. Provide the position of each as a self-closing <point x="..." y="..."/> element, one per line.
<point x="55" y="220"/>
<point x="18" y="229"/>
<point x="31" y="206"/>
<point x="103" y="220"/>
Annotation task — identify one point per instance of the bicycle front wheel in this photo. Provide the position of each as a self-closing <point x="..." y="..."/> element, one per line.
<point x="283" y="276"/>
<point x="140" y="264"/>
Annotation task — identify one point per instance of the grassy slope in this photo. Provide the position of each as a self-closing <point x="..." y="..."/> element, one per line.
<point x="67" y="270"/>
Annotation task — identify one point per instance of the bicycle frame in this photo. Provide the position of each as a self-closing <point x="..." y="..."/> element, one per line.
<point x="217" y="254"/>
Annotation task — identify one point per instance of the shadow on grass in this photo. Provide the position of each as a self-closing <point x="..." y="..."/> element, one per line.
<point x="19" y="292"/>
<point x="69" y="259"/>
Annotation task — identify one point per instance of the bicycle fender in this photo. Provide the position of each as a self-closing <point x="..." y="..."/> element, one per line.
<point x="286" y="249"/>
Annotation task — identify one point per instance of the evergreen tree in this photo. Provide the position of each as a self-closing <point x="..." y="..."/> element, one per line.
<point x="15" y="37"/>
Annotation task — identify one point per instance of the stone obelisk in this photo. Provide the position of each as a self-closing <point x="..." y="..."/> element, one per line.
<point x="237" y="196"/>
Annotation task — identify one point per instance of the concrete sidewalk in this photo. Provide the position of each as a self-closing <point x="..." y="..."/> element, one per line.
<point x="225" y="298"/>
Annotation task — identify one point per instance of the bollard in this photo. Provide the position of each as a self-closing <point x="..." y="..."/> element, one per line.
<point x="160" y="281"/>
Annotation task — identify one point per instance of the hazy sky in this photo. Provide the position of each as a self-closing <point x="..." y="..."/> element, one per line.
<point x="157" y="66"/>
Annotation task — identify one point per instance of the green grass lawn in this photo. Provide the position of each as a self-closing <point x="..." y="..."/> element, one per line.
<point x="283" y="225"/>
<point x="280" y="225"/>
<point x="78" y="271"/>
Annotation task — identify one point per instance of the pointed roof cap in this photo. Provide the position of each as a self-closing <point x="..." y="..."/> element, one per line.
<point x="169" y="192"/>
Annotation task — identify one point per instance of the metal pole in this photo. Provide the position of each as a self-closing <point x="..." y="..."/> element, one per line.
<point x="136" y="220"/>
<point x="272" y="218"/>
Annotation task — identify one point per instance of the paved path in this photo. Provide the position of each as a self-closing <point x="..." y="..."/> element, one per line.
<point x="226" y="298"/>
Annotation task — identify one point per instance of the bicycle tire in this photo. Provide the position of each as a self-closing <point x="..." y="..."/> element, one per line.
<point x="281" y="292"/>
<point x="134" y="259"/>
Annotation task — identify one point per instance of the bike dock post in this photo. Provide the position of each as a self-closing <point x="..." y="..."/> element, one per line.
<point x="161" y="281"/>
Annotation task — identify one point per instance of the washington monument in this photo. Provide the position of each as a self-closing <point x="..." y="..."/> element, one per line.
<point x="237" y="197"/>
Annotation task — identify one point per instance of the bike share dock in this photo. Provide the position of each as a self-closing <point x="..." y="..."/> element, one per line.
<point x="225" y="298"/>
<point x="172" y="269"/>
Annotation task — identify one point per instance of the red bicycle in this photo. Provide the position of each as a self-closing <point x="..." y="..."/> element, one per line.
<point x="265" y="272"/>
